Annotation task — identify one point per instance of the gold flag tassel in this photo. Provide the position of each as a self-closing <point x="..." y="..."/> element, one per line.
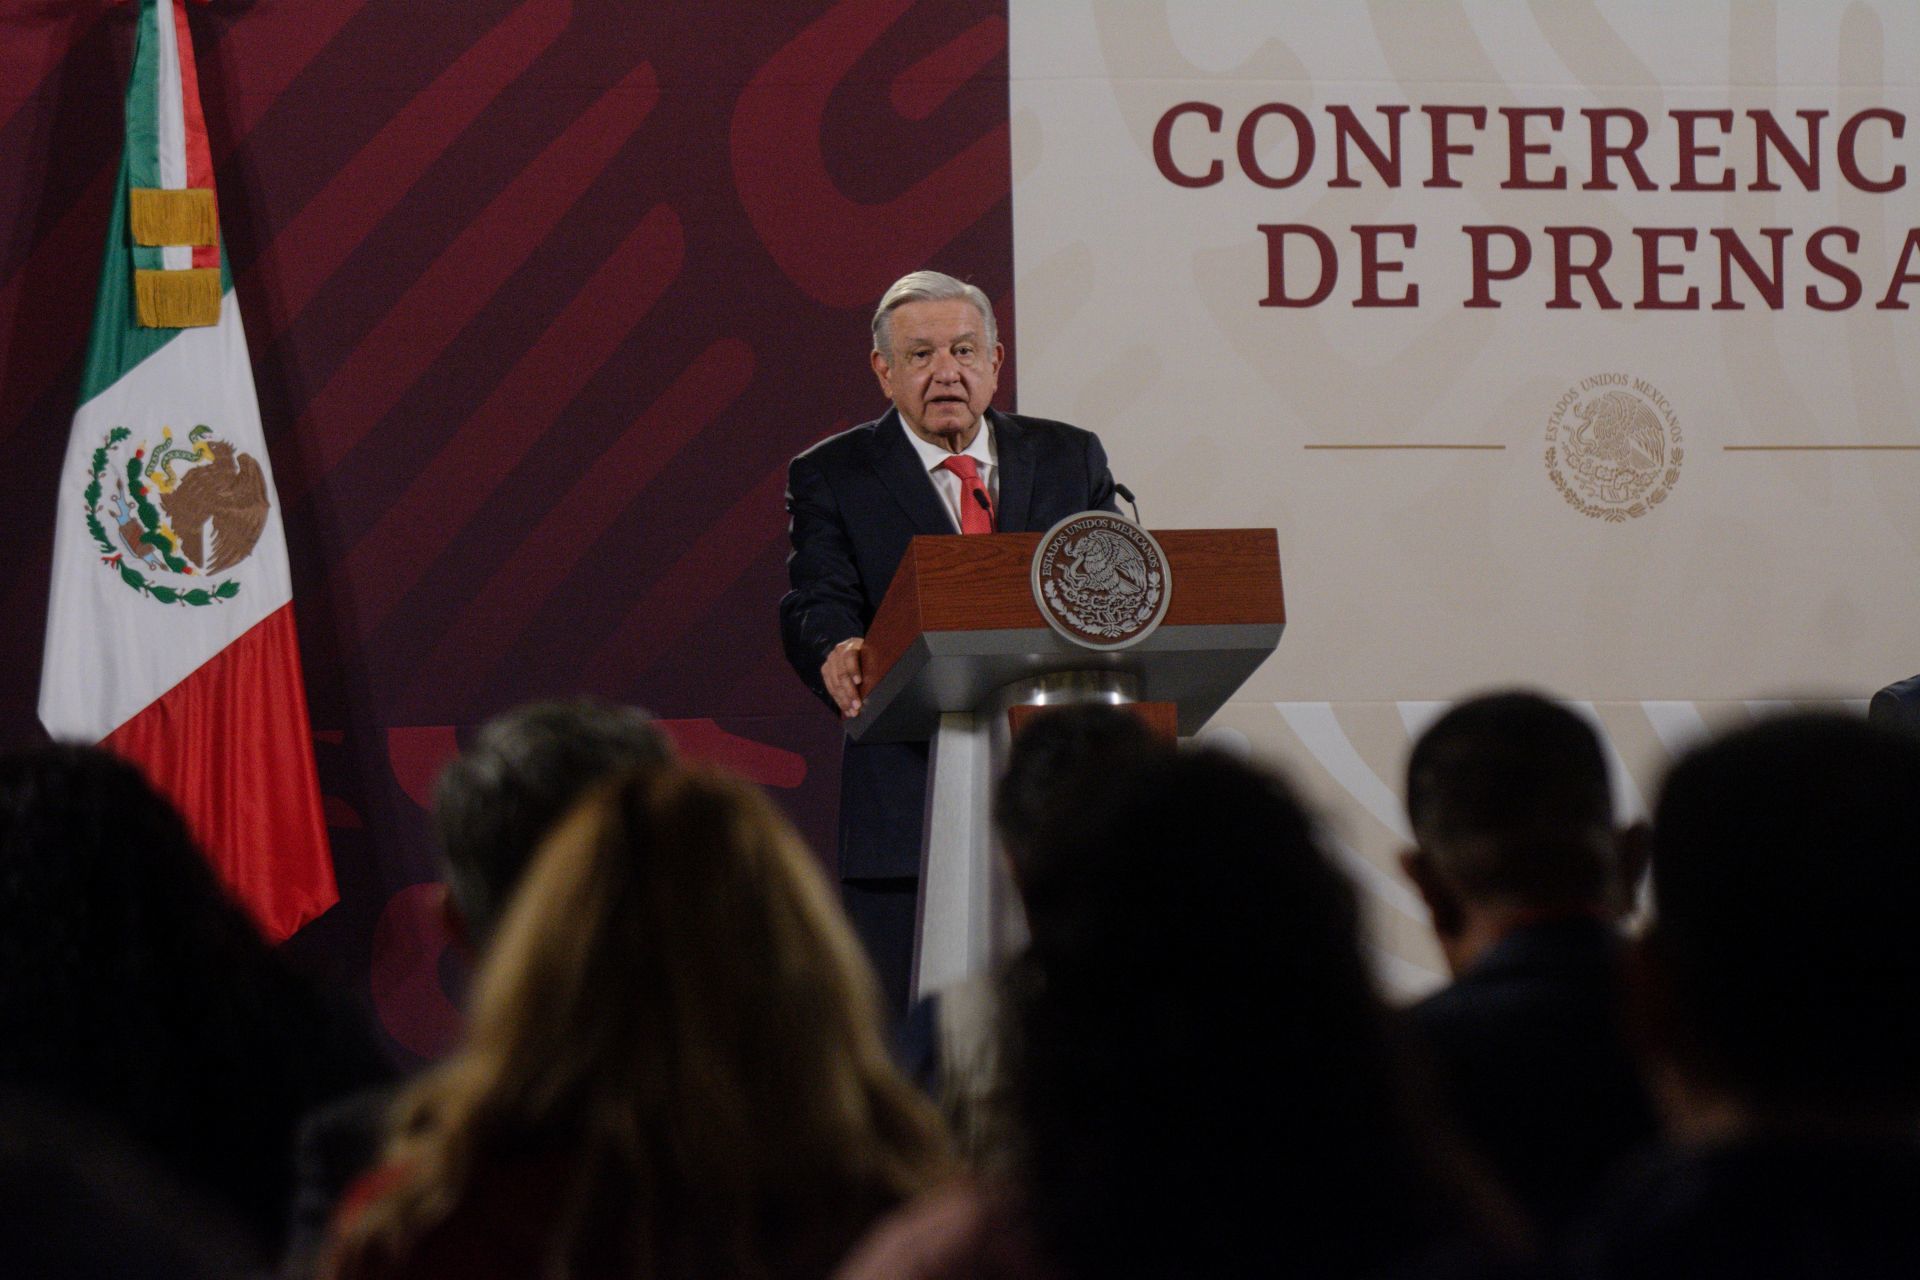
<point x="160" y="216"/>
<point x="177" y="299"/>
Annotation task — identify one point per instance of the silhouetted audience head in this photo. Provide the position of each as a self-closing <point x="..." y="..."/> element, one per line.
<point x="1784" y="951"/>
<point x="675" y="1066"/>
<point x="1508" y="796"/>
<point x="1059" y="754"/>
<point x="1205" y="1080"/>
<point x="523" y="770"/>
<point x="1897" y="706"/>
<point x="1512" y="813"/>
<point x="1518" y="861"/>
<point x="133" y="989"/>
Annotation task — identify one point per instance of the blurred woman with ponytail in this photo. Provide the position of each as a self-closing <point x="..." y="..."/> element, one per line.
<point x="675" y="1067"/>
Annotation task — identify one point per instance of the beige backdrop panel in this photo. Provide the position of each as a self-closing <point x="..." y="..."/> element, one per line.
<point x="1413" y="575"/>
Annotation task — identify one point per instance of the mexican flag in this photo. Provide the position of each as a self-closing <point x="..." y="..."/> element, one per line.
<point x="170" y="636"/>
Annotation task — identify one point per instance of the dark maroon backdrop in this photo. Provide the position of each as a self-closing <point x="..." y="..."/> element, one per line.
<point x="541" y="296"/>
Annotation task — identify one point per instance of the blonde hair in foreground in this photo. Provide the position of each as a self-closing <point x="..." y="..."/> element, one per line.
<point x="674" y="1004"/>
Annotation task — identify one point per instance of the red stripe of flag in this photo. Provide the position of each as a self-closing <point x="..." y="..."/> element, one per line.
<point x="199" y="155"/>
<point x="229" y="746"/>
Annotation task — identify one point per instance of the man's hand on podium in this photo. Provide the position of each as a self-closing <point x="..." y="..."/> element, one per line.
<point x="841" y="674"/>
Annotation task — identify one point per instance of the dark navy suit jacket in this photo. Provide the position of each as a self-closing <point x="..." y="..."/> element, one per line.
<point x="854" y="501"/>
<point x="1531" y="1058"/>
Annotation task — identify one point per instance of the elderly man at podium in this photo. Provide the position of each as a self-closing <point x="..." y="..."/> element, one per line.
<point x="940" y="461"/>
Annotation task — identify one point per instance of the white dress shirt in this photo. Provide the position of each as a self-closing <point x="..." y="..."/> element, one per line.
<point x="947" y="484"/>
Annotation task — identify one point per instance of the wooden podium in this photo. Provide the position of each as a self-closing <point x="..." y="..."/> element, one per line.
<point x="960" y="640"/>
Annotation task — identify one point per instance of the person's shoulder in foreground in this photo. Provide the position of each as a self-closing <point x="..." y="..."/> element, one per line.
<point x="1785" y="1206"/>
<point x="964" y="1231"/>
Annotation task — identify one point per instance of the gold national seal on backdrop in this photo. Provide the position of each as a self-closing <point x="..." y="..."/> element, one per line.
<point x="1613" y="446"/>
<point x="1101" y="580"/>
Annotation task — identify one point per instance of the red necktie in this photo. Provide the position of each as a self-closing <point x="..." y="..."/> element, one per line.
<point x="976" y="505"/>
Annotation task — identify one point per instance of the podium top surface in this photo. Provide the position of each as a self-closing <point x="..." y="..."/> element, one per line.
<point x="959" y="621"/>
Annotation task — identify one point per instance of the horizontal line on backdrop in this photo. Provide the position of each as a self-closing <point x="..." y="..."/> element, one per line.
<point x="1821" y="448"/>
<point x="1404" y="446"/>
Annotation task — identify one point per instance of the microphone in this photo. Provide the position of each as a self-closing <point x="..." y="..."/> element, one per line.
<point x="1127" y="493"/>
<point x="980" y="496"/>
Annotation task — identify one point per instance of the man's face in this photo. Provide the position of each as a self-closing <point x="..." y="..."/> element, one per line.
<point x="940" y="373"/>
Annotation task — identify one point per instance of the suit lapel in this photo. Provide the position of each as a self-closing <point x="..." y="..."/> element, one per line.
<point x="899" y="469"/>
<point x="1014" y="455"/>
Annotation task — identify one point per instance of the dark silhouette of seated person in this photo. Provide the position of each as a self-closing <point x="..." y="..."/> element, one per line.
<point x="1779" y="990"/>
<point x="1204" y="1083"/>
<point x="1522" y="867"/>
<point x="135" y="993"/>
<point x="77" y="1203"/>
<point x="950" y="1042"/>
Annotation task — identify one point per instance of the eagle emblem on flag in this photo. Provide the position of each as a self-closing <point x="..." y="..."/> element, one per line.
<point x="171" y="516"/>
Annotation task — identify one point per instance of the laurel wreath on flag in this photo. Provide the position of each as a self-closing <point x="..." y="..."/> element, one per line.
<point x="149" y="532"/>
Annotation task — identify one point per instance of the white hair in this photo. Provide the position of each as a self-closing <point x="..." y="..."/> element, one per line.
<point x="928" y="286"/>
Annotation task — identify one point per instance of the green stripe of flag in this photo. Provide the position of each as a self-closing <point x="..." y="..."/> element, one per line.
<point x="117" y="343"/>
<point x="141" y="167"/>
